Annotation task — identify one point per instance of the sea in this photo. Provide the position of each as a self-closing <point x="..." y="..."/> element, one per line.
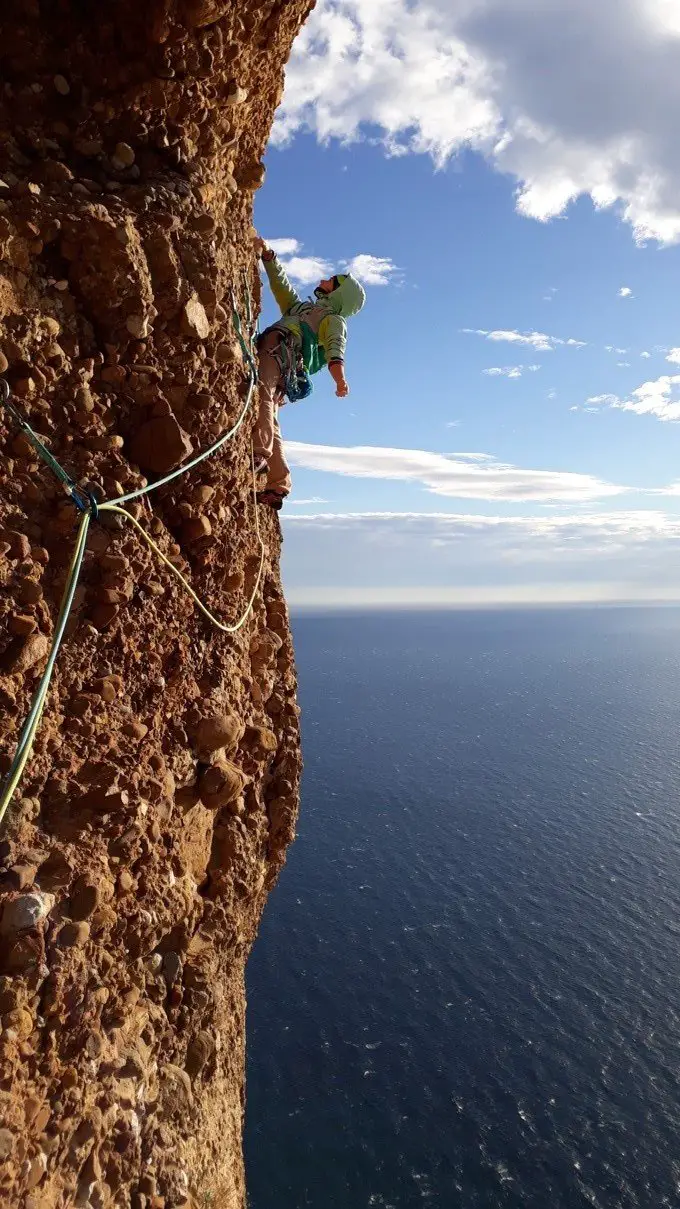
<point x="466" y="989"/>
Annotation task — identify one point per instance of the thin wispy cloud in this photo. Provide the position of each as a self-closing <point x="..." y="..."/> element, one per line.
<point x="639" y="525"/>
<point x="314" y="499"/>
<point x="568" y="97"/>
<point x="510" y="371"/>
<point x="457" y="475"/>
<point x="538" y="340"/>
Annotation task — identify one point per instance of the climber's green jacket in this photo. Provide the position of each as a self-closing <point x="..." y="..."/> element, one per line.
<point x="318" y="324"/>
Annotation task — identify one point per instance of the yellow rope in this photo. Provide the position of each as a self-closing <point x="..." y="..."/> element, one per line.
<point x="221" y="625"/>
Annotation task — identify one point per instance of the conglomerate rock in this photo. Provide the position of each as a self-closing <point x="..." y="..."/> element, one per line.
<point x="156" y="809"/>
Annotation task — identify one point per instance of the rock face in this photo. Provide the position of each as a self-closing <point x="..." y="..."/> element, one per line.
<point x="155" y="812"/>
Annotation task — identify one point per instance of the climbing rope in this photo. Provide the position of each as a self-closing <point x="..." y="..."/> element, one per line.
<point x="90" y="509"/>
<point x="220" y="625"/>
<point x="83" y="500"/>
<point x="30" y="727"/>
<point x="227" y="436"/>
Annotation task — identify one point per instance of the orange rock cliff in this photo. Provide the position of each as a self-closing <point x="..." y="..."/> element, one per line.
<point x="161" y="794"/>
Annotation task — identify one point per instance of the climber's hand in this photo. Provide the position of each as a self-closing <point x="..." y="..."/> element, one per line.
<point x="260" y="245"/>
<point x="337" y="372"/>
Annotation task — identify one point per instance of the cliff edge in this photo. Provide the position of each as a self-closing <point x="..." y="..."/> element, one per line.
<point x="161" y="794"/>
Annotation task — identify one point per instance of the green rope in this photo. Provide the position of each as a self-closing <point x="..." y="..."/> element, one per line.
<point x="89" y="508"/>
<point x="30" y="727"/>
<point x="83" y="500"/>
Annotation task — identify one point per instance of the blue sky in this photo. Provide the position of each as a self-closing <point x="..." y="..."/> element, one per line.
<point x="505" y="438"/>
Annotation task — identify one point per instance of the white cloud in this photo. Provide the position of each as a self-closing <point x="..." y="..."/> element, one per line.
<point x="373" y="270"/>
<point x="659" y="398"/>
<point x="568" y="97"/>
<point x="625" y="292"/>
<point x="538" y="340"/>
<point x="646" y="355"/>
<point x="623" y="364"/>
<point x="283" y="247"/>
<point x="458" y="475"/>
<point x="305" y="270"/>
<point x="673" y="356"/>
<point x="510" y="371"/>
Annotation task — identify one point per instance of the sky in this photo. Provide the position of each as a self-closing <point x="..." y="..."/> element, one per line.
<point x="504" y="175"/>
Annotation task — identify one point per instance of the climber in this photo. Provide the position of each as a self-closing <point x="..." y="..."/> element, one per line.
<point x="309" y="335"/>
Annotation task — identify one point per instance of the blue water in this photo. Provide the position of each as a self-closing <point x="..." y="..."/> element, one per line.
<point x="466" y="990"/>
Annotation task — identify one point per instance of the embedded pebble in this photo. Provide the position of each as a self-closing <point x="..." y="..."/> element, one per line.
<point x="25" y="912"/>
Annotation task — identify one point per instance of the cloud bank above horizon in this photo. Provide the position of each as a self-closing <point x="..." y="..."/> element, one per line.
<point x="442" y="559"/>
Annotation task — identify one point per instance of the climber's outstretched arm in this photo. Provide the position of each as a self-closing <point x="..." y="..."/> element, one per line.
<point x="281" y="288"/>
<point x="333" y="339"/>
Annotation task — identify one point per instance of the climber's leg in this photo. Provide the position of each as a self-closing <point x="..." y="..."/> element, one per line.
<point x="278" y="478"/>
<point x="270" y="392"/>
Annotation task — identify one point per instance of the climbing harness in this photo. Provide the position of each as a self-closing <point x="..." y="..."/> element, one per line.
<point x="90" y="508"/>
<point x="297" y="384"/>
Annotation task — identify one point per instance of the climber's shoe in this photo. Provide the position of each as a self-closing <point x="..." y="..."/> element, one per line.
<point x="273" y="498"/>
